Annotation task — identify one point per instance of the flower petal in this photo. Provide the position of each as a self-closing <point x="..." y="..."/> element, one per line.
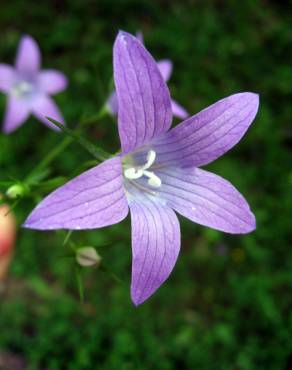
<point x="207" y="135"/>
<point x="178" y="110"/>
<point x="43" y="107"/>
<point x="206" y="199"/>
<point x="143" y="97"/>
<point x="7" y="77"/>
<point x="155" y="246"/>
<point x="94" y="199"/>
<point x="165" y="68"/>
<point x="140" y="36"/>
<point x="112" y="103"/>
<point x="52" y="81"/>
<point x="28" y="58"/>
<point x="17" y="111"/>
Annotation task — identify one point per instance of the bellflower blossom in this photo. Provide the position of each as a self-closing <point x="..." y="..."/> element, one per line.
<point x="156" y="173"/>
<point x="165" y="67"/>
<point x="28" y="88"/>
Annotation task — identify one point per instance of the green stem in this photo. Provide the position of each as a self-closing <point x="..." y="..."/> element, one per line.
<point x="97" y="153"/>
<point x="88" y="121"/>
<point x="51" y="156"/>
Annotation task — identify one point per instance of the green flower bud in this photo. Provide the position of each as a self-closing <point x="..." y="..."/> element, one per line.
<point x="16" y="191"/>
<point x="87" y="256"/>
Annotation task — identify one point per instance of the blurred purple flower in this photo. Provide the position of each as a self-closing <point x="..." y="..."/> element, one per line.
<point x="165" y="67"/>
<point x="157" y="172"/>
<point x="28" y="88"/>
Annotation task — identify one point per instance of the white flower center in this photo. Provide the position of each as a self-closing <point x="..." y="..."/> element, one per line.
<point x="134" y="173"/>
<point x="22" y="88"/>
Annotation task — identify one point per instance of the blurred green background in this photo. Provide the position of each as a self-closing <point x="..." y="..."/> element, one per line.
<point x="227" y="304"/>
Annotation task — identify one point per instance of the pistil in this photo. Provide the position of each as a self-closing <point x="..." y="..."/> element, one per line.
<point x="134" y="173"/>
<point x="22" y="88"/>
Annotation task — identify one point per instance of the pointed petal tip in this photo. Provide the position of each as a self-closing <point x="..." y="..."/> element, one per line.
<point x="38" y="225"/>
<point x="123" y="33"/>
<point x="28" y="57"/>
<point x="26" y="37"/>
<point x="6" y="130"/>
<point x="251" y="226"/>
<point x="29" y="223"/>
<point x="138" y="299"/>
<point x="253" y="97"/>
<point x="248" y="227"/>
<point x="26" y="225"/>
<point x="28" y="41"/>
<point x="124" y="37"/>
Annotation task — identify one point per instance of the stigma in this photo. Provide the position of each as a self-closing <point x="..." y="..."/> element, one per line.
<point x="134" y="173"/>
<point x="22" y="88"/>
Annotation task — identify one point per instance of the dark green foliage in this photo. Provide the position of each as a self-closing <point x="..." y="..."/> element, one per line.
<point x="227" y="305"/>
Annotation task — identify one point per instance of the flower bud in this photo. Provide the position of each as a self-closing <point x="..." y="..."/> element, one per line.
<point x="7" y="238"/>
<point x="15" y="191"/>
<point x="87" y="256"/>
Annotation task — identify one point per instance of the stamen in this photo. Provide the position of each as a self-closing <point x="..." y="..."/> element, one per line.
<point x="22" y="88"/>
<point x="134" y="173"/>
<point x="153" y="179"/>
<point x="151" y="156"/>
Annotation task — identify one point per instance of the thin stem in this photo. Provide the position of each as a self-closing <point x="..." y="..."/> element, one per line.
<point x="51" y="156"/>
<point x="88" y="121"/>
<point x="97" y="153"/>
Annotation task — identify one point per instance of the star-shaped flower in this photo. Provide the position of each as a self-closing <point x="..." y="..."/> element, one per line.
<point x="165" y="67"/>
<point x="28" y="88"/>
<point x="157" y="171"/>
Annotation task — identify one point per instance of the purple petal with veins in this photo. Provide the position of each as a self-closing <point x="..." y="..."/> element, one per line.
<point x="142" y="94"/>
<point x="165" y="68"/>
<point x="155" y="246"/>
<point x="210" y="133"/>
<point x="94" y="199"/>
<point x="206" y="199"/>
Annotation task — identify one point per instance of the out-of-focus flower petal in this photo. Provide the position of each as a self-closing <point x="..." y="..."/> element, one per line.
<point x="207" y="135"/>
<point x="17" y="111"/>
<point x="206" y="199"/>
<point x="112" y="103"/>
<point x="178" y="111"/>
<point x="143" y="97"/>
<point x="94" y="199"/>
<point x="44" y="106"/>
<point x="165" y="68"/>
<point x="52" y="81"/>
<point x="28" y="58"/>
<point x="7" y="230"/>
<point x="7" y="77"/>
<point x="155" y="246"/>
<point x="7" y="239"/>
<point x="140" y="37"/>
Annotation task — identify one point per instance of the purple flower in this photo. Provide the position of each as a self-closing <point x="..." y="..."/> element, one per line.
<point x="157" y="172"/>
<point x="165" y="68"/>
<point x="28" y="88"/>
